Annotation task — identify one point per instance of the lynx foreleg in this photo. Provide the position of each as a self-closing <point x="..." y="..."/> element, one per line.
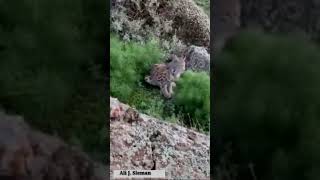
<point x="164" y="90"/>
<point x="170" y="87"/>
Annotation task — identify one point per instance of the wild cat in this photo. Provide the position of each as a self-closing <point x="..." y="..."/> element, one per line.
<point x="164" y="75"/>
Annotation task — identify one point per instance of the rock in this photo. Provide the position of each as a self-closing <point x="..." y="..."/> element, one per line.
<point x="29" y="154"/>
<point x="162" y="18"/>
<point x="153" y="144"/>
<point x="197" y="59"/>
<point x="192" y="23"/>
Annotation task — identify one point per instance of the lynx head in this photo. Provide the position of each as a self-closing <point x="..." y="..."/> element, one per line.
<point x="177" y="65"/>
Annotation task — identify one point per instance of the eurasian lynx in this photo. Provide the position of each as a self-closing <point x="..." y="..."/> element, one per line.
<point x="164" y="75"/>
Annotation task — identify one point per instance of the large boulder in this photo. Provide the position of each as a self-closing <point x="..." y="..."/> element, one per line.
<point x="161" y="18"/>
<point x="197" y="59"/>
<point x="139" y="141"/>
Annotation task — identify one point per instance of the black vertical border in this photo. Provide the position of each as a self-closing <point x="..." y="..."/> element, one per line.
<point x="107" y="85"/>
<point x="213" y="120"/>
<point x="212" y="92"/>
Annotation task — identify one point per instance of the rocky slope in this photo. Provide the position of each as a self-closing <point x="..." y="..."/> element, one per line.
<point x="139" y="141"/>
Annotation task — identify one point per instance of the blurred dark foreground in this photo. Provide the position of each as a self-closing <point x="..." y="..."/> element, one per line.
<point x="52" y="75"/>
<point x="267" y="107"/>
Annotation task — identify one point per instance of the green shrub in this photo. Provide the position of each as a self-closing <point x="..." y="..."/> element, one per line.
<point x="193" y="98"/>
<point x="267" y="104"/>
<point x="129" y="62"/>
<point x="148" y="102"/>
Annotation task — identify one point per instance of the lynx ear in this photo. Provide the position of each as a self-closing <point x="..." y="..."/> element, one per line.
<point x="184" y="58"/>
<point x="173" y="56"/>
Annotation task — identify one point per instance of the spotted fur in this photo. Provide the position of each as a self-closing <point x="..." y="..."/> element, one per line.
<point x="165" y="75"/>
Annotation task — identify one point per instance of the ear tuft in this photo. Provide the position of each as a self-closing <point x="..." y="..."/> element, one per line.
<point x="184" y="58"/>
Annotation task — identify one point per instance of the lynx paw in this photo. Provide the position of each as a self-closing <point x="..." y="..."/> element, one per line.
<point x="168" y="96"/>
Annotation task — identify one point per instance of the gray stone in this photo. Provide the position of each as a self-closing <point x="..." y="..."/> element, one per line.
<point x="149" y="143"/>
<point x="197" y="59"/>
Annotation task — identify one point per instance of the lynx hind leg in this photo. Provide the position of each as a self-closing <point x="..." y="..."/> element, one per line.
<point x="164" y="90"/>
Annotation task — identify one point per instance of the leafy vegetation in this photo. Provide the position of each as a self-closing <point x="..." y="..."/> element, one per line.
<point x="193" y="96"/>
<point x="267" y="105"/>
<point x="129" y="62"/>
